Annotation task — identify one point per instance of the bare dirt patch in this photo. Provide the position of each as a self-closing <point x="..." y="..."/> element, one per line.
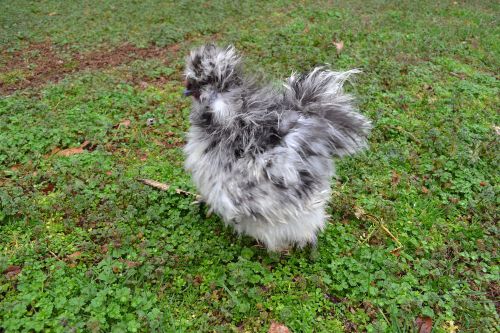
<point x="41" y="63"/>
<point x="493" y="293"/>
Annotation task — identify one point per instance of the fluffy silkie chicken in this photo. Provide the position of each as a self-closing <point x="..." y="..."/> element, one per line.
<point x="261" y="155"/>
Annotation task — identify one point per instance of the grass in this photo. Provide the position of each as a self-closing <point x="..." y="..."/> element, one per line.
<point x="86" y="247"/>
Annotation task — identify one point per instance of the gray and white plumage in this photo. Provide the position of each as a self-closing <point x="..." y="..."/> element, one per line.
<point x="261" y="156"/>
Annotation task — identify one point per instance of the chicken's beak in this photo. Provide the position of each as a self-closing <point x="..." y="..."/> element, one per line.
<point x="188" y="92"/>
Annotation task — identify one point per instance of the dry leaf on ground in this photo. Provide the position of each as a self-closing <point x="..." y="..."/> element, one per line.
<point x="12" y="271"/>
<point x="74" y="255"/>
<point x="424" y="324"/>
<point x="278" y="328"/>
<point x="123" y="123"/>
<point x="339" y="46"/>
<point x="73" y="151"/>
<point x="130" y="263"/>
<point x="396" y="178"/>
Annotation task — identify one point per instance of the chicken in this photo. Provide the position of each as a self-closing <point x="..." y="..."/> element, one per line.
<point x="261" y="156"/>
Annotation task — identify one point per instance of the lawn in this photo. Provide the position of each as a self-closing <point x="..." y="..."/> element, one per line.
<point x="91" y="102"/>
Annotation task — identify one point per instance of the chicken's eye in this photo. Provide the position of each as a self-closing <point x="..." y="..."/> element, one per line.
<point x="192" y="86"/>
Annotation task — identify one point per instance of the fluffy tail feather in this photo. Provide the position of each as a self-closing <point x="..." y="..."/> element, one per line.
<point x="320" y="92"/>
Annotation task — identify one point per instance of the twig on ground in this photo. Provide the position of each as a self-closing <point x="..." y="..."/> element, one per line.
<point x="56" y="256"/>
<point x="370" y="234"/>
<point x="385" y="229"/>
<point x="390" y="234"/>
<point x="165" y="187"/>
<point x="383" y="315"/>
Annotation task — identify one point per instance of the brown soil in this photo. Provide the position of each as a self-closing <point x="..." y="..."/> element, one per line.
<point x="493" y="293"/>
<point x="41" y="63"/>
